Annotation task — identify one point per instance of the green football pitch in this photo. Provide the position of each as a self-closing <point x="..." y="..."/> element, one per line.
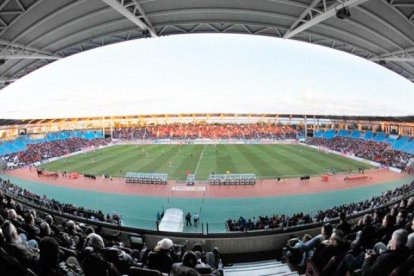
<point x="266" y="161"/>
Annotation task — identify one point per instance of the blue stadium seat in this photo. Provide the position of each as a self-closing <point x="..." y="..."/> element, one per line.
<point x="380" y="137"/>
<point x="368" y="135"/>
<point x="400" y="142"/>
<point x="319" y="133"/>
<point x="343" y="133"/>
<point x="329" y="134"/>
<point x="408" y="147"/>
<point x="355" y="134"/>
<point x="390" y="140"/>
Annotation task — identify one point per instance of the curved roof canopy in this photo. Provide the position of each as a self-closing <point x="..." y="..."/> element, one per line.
<point x="34" y="33"/>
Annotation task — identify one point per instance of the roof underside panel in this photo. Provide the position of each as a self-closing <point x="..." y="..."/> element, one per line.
<point x="34" y="33"/>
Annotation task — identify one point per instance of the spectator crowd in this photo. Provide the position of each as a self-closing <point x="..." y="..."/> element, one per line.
<point x="43" y="201"/>
<point x="371" y="150"/>
<point x="207" y="131"/>
<point x="381" y="243"/>
<point x="283" y="221"/>
<point x="35" y="243"/>
<point x="43" y="151"/>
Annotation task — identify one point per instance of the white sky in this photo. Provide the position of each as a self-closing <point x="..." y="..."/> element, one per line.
<point x="208" y="73"/>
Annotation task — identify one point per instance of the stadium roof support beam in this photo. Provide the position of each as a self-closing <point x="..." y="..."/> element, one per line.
<point x="134" y="16"/>
<point x="403" y="53"/>
<point x="396" y="59"/>
<point x="306" y="12"/>
<point x="35" y="56"/>
<point x="328" y="13"/>
<point x="8" y="48"/>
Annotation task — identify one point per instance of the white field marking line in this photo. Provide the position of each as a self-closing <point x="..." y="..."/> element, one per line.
<point x="199" y="160"/>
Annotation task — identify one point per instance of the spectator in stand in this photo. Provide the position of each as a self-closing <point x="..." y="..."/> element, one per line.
<point x="162" y="257"/>
<point x="382" y="263"/>
<point x="330" y="252"/>
<point x="41" y="151"/>
<point x="400" y="220"/>
<point x="14" y="245"/>
<point x="208" y="131"/>
<point x="52" y="204"/>
<point x="14" y="218"/>
<point x="299" y="219"/>
<point x="384" y="233"/>
<point x="49" y="264"/>
<point x="307" y="248"/>
<point x="29" y="226"/>
<point x="343" y="225"/>
<point x="371" y="150"/>
<point x="94" y="262"/>
<point x="365" y="238"/>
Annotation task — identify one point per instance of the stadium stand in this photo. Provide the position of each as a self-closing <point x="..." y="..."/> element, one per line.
<point x="42" y="151"/>
<point x="371" y="150"/>
<point x="21" y="143"/>
<point x="207" y="131"/>
<point x="89" y="250"/>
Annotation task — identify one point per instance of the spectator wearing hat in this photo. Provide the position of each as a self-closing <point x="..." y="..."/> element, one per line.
<point x="162" y="257"/>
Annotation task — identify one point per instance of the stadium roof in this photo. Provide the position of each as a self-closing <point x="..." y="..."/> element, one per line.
<point x="34" y="33"/>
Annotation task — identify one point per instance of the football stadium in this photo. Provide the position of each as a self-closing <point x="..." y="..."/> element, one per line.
<point x="206" y="193"/>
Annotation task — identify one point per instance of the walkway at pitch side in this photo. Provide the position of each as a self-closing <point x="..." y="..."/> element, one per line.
<point x="140" y="203"/>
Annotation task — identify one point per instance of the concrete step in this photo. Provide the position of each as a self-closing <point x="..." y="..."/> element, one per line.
<point x="264" y="268"/>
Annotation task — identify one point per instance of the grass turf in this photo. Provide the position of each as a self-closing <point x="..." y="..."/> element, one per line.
<point x="266" y="161"/>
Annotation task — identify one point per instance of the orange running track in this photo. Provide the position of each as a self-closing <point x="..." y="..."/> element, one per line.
<point x="263" y="188"/>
